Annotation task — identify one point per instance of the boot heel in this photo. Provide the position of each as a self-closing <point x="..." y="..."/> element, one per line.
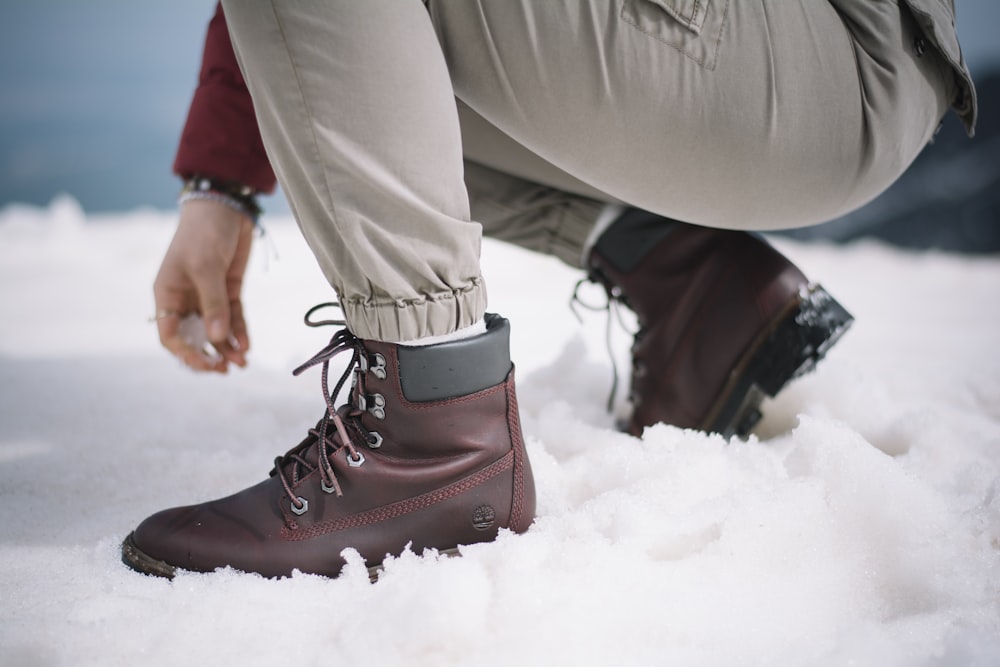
<point x="800" y="338"/>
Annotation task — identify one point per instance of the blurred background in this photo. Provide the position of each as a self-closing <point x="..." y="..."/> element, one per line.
<point x="93" y="96"/>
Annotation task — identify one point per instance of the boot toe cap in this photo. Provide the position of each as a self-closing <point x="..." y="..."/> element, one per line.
<point x="162" y="543"/>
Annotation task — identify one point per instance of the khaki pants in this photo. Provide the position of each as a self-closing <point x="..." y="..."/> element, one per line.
<point x="727" y="113"/>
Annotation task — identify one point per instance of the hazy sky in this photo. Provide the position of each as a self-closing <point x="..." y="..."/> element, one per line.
<point x="93" y="94"/>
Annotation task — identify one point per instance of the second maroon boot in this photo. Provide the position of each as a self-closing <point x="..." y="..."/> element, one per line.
<point x="427" y="452"/>
<point x="724" y="320"/>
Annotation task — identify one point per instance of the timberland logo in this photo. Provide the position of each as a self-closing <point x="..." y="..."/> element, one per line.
<point x="483" y="517"/>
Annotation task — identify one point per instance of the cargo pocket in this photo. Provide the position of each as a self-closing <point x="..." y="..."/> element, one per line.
<point x="693" y="27"/>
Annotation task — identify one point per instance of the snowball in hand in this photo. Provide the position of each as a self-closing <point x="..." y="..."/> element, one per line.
<point x="192" y="331"/>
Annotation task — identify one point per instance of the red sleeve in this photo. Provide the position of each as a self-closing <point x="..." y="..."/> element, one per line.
<point x="220" y="138"/>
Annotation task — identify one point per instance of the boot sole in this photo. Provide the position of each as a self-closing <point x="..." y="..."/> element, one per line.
<point x="790" y="347"/>
<point x="141" y="562"/>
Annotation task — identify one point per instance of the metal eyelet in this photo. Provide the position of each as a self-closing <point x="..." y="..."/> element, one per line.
<point x="355" y="463"/>
<point x="378" y="405"/>
<point x="300" y="510"/>
<point x="326" y="489"/>
<point x="374" y="440"/>
<point x="378" y="370"/>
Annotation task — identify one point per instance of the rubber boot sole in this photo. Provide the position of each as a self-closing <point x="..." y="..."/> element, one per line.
<point x="141" y="562"/>
<point x="788" y="348"/>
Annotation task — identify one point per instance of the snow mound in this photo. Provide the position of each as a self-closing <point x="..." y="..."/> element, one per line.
<point x="860" y="525"/>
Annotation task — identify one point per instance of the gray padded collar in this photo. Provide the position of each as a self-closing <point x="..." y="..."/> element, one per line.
<point x="631" y="236"/>
<point x="448" y="370"/>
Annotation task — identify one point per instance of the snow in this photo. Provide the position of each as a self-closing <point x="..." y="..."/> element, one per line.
<point x="860" y="526"/>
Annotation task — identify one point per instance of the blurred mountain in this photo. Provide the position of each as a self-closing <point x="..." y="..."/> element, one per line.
<point x="949" y="199"/>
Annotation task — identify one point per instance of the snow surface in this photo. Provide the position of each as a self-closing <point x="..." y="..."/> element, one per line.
<point x="863" y="527"/>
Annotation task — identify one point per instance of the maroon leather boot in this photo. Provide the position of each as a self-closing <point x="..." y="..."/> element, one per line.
<point x="427" y="452"/>
<point x="724" y="319"/>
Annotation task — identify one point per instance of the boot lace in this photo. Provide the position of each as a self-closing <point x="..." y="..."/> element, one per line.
<point x="613" y="303"/>
<point x="334" y="430"/>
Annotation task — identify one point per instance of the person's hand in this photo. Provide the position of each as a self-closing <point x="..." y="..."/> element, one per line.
<point x="202" y="273"/>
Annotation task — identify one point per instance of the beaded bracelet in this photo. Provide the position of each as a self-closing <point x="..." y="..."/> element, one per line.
<point x="239" y="198"/>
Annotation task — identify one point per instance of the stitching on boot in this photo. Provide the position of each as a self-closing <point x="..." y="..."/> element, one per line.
<point x="402" y="507"/>
<point x="517" y="449"/>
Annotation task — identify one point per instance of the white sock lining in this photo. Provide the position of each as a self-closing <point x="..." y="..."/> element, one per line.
<point x="465" y="332"/>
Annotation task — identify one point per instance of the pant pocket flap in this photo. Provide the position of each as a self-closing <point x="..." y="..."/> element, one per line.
<point x="690" y="13"/>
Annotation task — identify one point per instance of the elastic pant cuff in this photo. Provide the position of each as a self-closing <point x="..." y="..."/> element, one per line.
<point x="408" y="319"/>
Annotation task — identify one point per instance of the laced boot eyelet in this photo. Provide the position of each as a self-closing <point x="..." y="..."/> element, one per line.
<point x="374" y="440"/>
<point x="300" y="510"/>
<point x="378" y="367"/>
<point x="377" y="408"/>
<point x="355" y="462"/>
<point x="327" y="488"/>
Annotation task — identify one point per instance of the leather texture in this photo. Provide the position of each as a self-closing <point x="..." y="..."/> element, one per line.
<point x="702" y="296"/>
<point x="436" y="474"/>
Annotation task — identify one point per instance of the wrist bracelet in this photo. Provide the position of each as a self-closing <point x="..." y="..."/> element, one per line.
<point x="237" y="197"/>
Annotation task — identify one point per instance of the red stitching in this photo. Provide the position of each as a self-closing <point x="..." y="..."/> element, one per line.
<point x="397" y="387"/>
<point x="402" y="507"/>
<point x="517" y="447"/>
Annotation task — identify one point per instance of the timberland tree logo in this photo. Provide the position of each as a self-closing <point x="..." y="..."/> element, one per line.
<point x="483" y="517"/>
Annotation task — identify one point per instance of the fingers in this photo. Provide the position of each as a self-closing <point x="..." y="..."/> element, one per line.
<point x="239" y="340"/>
<point x="213" y="300"/>
<point x="193" y="353"/>
<point x="202" y="273"/>
<point x="176" y="299"/>
<point x="238" y="343"/>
